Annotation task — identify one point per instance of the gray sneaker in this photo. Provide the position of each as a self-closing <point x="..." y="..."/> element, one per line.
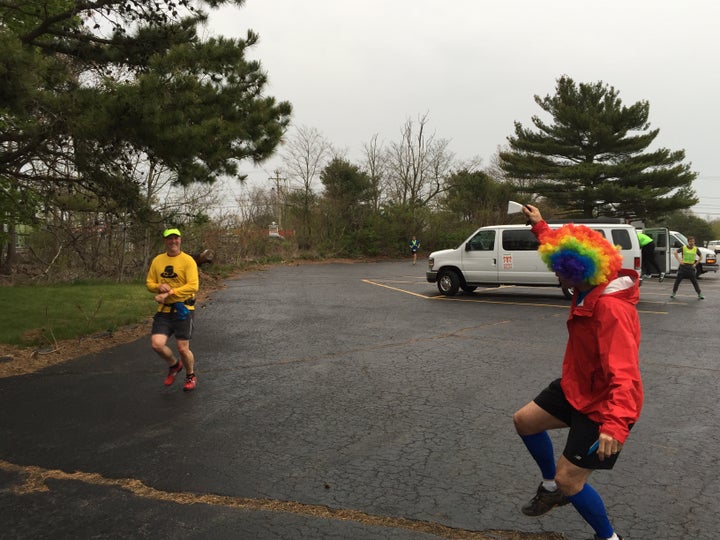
<point x="662" y="277"/>
<point x="544" y="501"/>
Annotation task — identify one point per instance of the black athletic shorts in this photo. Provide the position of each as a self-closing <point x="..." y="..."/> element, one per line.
<point x="168" y="324"/>
<point x="583" y="431"/>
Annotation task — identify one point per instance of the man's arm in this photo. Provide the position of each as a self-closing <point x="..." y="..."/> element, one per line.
<point x="152" y="281"/>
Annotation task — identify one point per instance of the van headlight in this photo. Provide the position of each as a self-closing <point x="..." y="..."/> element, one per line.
<point x="431" y="262"/>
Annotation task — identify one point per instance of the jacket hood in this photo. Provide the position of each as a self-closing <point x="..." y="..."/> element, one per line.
<point x="625" y="286"/>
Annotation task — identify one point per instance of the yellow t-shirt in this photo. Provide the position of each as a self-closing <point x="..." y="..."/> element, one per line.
<point x="180" y="272"/>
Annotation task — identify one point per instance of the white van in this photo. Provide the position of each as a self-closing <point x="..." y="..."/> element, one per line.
<point x="714" y="245"/>
<point x="675" y="240"/>
<point x="507" y="255"/>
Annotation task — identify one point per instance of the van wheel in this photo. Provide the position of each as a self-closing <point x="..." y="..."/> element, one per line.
<point x="699" y="270"/>
<point x="568" y="292"/>
<point x="468" y="288"/>
<point x="448" y="282"/>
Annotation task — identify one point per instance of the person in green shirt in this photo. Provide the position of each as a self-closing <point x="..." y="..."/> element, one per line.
<point x="687" y="256"/>
<point x="647" y="248"/>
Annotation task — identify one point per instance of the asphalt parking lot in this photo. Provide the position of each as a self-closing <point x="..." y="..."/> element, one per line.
<point x="352" y="401"/>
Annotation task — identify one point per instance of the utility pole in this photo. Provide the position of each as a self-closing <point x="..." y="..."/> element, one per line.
<point x="278" y="213"/>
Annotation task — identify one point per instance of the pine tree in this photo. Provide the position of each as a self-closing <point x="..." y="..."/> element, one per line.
<point x="593" y="158"/>
<point x="87" y="88"/>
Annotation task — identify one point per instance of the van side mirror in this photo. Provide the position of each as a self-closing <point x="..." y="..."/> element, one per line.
<point x="468" y="246"/>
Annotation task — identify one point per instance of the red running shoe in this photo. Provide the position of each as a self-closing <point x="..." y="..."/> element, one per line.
<point x="190" y="382"/>
<point x="172" y="372"/>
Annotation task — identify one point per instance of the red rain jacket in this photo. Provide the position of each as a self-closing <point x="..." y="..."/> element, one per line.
<point x="601" y="372"/>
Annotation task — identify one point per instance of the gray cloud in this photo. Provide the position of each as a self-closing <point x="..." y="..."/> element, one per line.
<point x="354" y="69"/>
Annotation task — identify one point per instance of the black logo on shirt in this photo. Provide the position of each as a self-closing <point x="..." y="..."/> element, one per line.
<point x="169" y="272"/>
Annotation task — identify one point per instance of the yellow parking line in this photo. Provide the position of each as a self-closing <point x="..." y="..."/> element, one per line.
<point x="485" y="301"/>
<point x="395" y="289"/>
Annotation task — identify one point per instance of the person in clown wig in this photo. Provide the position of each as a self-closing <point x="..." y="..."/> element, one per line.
<point x="600" y="392"/>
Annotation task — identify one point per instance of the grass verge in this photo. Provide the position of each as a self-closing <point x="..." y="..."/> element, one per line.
<point x="42" y="315"/>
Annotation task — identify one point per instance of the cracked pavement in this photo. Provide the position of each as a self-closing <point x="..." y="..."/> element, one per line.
<point x="351" y="401"/>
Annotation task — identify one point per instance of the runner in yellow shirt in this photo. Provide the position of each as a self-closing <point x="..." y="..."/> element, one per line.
<point x="173" y="277"/>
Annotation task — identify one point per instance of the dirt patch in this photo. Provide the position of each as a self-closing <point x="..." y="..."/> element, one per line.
<point x="35" y="480"/>
<point x="20" y="361"/>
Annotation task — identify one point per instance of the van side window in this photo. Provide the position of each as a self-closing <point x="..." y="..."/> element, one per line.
<point x="621" y="237"/>
<point x="482" y="241"/>
<point x="521" y="240"/>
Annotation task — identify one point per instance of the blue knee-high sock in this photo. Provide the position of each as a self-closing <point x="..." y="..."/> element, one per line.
<point x="591" y="507"/>
<point x="541" y="449"/>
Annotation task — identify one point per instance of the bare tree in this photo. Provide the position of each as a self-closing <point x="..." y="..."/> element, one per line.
<point x="417" y="165"/>
<point x="258" y="207"/>
<point x="305" y="155"/>
<point x="375" y="164"/>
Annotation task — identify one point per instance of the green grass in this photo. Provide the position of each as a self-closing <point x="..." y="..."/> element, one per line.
<point x="38" y="315"/>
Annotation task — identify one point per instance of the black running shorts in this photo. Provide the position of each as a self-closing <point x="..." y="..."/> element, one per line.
<point x="583" y="431"/>
<point x="168" y="324"/>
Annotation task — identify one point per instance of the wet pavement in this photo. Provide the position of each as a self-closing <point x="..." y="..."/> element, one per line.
<point x="351" y="401"/>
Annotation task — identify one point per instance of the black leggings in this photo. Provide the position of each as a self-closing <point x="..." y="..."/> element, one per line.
<point x="686" y="271"/>
<point x="648" y="259"/>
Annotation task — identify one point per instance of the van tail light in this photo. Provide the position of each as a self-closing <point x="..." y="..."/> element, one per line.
<point x="637" y="264"/>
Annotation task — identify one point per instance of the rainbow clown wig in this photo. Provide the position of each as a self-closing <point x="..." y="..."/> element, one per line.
<point x="580" y="254"/>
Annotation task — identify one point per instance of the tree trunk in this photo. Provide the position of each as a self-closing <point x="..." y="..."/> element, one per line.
<point x="7" y="262"/>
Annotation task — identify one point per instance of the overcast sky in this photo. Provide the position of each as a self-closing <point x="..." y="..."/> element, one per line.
<point x="352" y="69"/>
